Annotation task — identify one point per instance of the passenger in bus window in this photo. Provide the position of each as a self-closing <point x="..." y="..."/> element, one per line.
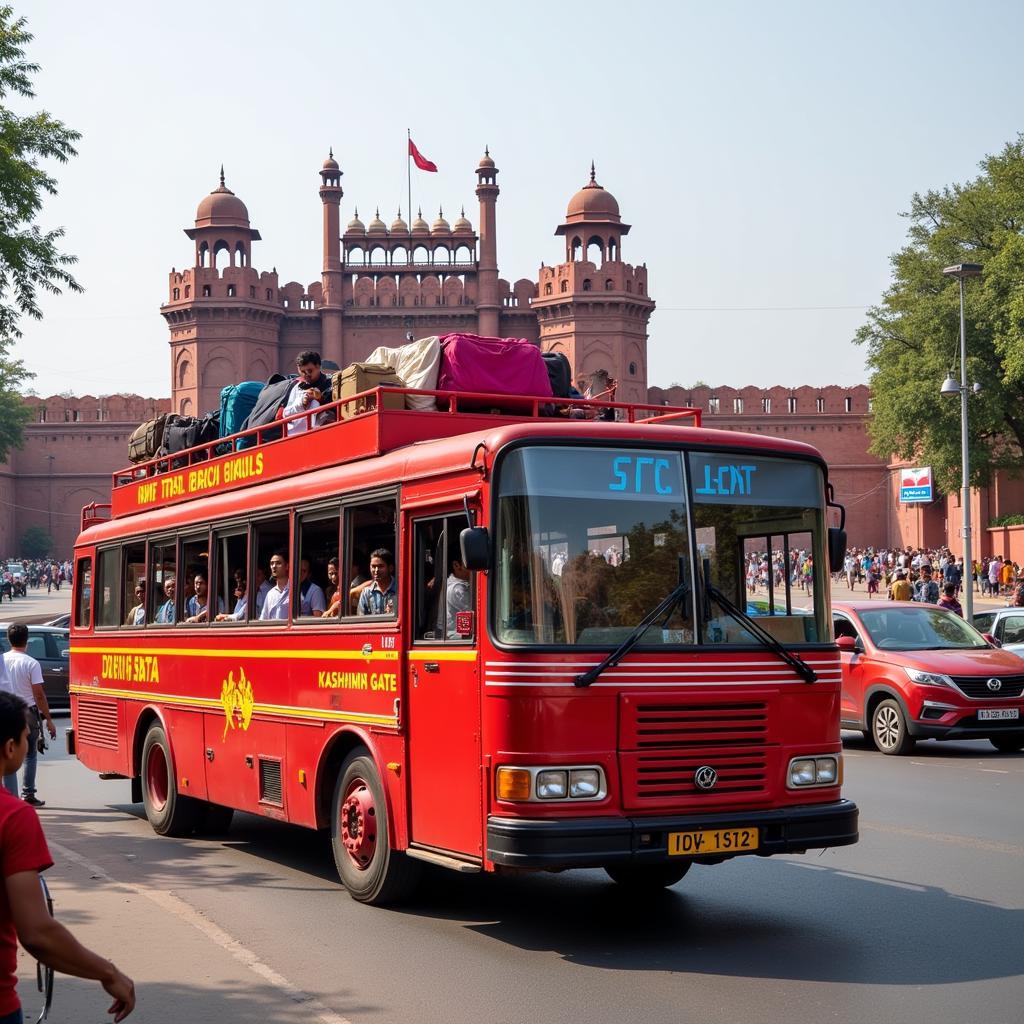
<point x="311" y="597"/>
<point x="241" y="604"/>
<point x="263" y="586"/>
<point x="276" y="604"/>
<point x="165" y="613"/>
<point x="380" y="597"/>
<point x="137" y="615"/>
<point x="359" y="580"/>
<point x="197" y="606"/>
<point x="332" y="580"/>
<point x="458" y="594"/>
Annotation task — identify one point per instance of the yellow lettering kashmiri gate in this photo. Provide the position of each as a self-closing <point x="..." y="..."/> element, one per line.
<point x="493" y="640"/>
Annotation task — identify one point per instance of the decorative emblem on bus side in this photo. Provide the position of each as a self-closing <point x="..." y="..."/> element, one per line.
<point x="995" y="685"/>
<point x="238" y="702"/>
<point x="705" y="777"/>
<point x="367" y="649"/>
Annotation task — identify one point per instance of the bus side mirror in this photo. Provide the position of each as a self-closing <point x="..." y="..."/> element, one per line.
<point x="475" y="544"/>
<point x="836" y="548"/>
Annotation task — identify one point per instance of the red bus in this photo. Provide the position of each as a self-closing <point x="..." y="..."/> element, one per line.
<point x="565" y="667"/>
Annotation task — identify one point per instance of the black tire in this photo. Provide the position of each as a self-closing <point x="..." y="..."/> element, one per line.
<point x="647" y="877"/>
<point x="889" y="731"/>
<point x="214" y="819"/>
<point x="1007" y="744"/>
<point x="368" y="867"/>
<point x="170" y="813"/>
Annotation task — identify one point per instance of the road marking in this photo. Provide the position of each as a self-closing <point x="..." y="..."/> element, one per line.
<point x="175" y="905"/>
<point x="994" y="771"/>
<point x="989" y="846"/>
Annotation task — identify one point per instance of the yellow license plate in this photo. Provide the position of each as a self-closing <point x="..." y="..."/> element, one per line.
<point x="712" y="840"/>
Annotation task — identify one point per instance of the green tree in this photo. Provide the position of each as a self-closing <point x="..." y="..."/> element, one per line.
<point x="913" y="334"/>
<point x="35" y="543"/>
<point x="29" y="257"/>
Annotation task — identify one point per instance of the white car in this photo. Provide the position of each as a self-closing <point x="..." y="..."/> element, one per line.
<point x="1006" y="625"/>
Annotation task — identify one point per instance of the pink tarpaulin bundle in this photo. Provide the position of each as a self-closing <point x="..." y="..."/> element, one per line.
<point x="497" y="366"/>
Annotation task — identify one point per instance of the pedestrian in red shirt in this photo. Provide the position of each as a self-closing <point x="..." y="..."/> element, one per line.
<point x="23" y="911"/>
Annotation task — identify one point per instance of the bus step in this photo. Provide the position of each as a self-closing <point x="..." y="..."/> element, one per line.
<point x="444" y="860"/>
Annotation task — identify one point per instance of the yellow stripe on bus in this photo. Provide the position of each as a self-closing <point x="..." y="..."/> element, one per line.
<point x="186" y="652"/>
<point x="205" y="703"/>
<point x="442" y="655"/>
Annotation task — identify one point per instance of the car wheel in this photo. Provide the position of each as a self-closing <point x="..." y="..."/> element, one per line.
<point x="889" y="729"/>
<point x="1007" y="744"/>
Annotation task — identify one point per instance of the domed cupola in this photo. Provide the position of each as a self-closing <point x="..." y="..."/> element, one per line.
<point x="377" y="226"/>
<point x="398" y="226"/>
<point x="440" y="226"/>
<point x="593" y="203"/>
<point x="419" y="225"/>
<point x="355" y="226"/>
<point x="462" y="225"/>
<point x="222" y="208"/>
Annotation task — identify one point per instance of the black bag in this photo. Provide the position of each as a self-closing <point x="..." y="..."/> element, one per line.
<point x="270" y="400"/>
<point x="559" y="373"/>
<point x="181" y="432"/>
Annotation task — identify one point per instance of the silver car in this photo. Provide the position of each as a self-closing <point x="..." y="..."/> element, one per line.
<point x="1006" y="625"/>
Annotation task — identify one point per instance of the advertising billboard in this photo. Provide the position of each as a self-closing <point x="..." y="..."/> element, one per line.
<point x="916" y="484"/>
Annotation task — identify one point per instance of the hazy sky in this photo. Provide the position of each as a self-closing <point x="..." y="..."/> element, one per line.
<point x="762" y="152"/>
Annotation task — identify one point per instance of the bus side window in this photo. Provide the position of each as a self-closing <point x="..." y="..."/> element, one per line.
<point x="133" y="589"/>
<point x="318" y="537"/>
<point x="230" y="576"/>
<point x="369" y="527"/>
<point x="108" y="587"/>
<point x="194" y="598"/>
<point x="443" y="588"/>
<point x="268" y="536"/>
<point x="162" y="581"/>
<point x="83" y="599"/>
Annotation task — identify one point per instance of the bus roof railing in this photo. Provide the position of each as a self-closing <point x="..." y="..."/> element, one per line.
<point x="95" y="512"/>
<point x="378" y="420"/>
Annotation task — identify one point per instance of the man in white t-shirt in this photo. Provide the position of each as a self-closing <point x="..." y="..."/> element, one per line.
<point x="26" y="680"/>
<point x="275" y="606"/>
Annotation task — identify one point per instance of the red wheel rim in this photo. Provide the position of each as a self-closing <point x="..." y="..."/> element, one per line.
<point x="157" y="783"/>
<point x="358" y="821"/>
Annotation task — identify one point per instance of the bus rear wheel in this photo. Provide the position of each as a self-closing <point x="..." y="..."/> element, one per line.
<point x="648" y="877"/>
<point x="368" y="867"/>
<point x="170" y="813"/>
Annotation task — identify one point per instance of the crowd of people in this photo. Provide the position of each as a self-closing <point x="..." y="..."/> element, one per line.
<point x="35" y="573"/>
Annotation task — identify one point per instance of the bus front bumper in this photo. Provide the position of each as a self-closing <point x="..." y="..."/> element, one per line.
<point x="593" y="842"/>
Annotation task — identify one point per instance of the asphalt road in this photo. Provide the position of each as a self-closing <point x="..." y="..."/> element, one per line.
<point x="923" y="920"/>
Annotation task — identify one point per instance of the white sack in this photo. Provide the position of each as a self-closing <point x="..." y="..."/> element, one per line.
<point x="417" y="364"/>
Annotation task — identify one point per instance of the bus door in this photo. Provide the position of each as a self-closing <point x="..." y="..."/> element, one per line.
<point x="444" y="692"/>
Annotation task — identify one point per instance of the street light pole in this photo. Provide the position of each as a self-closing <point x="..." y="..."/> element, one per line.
<point x="961" y="271"/>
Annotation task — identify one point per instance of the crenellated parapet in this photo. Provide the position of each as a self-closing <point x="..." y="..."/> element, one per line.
<point x="758" y="402"/>
<point x="197" y="283"/>
<point x="585" y="276"/>
<point x="122" y="409"/>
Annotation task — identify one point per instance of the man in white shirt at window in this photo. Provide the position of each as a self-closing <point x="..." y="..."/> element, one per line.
<point x="311" y="596"/>
<point x="276" y="604"/>
<point x="26" y="681"/>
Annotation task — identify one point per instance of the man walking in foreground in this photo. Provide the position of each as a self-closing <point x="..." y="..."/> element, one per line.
<point x="23" y="911"/>
<point x="26" y="681"/>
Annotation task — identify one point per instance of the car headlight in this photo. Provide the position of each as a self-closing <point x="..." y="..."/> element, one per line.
<point x="928" y="678"/>
<point x="814" y="771"/>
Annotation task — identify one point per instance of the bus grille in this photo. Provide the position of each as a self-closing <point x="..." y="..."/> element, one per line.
<point x="663" y="743"/>
<point x="97" y="722"/>
<point x="657" y="723"/>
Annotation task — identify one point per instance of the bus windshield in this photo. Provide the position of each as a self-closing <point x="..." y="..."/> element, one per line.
<point x="589" y="540"/>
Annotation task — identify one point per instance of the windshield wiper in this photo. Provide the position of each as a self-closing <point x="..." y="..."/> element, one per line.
<point x="666" y="607"/>
<point x="802" y="669"/>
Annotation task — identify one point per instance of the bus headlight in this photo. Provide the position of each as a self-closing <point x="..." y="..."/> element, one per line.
<point x="813" y="771"/>
<point x="550" y="782"/>
<point x="584" y="783"/>
<point x="552" y="785"/>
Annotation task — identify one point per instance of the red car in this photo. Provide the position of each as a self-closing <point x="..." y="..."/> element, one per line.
<point x="915" y="671"/>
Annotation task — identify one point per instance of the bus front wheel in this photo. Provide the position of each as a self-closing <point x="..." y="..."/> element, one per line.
<point x="647" y="878"/>
<point x="170" y="813"/>
<point x="369" y="868"/>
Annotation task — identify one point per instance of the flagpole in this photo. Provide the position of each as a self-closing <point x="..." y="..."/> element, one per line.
<point x="408" y="178"/>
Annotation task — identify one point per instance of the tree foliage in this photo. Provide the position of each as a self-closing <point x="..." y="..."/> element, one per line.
<point x="29" y="256"/>
<point x="913" y="334"/>
<point x="35" y="543"/>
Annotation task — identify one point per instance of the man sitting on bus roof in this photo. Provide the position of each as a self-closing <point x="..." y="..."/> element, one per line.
<point x="312" y="385"/>
<point x="276" y="604"/>
<point x="165" y="613"/>
<point x="381" y="596"/>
